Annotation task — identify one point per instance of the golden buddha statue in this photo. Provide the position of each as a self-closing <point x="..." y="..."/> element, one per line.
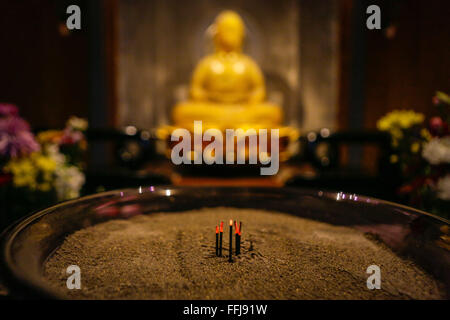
<point x="227" y="88"/>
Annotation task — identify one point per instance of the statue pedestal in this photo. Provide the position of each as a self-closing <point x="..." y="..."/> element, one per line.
<point x="227" y="116"/>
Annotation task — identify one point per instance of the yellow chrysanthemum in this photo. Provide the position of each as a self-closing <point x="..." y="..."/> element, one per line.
<point x="415" y="147"/>
<point x="44" y="163"/>
<point x="426" y="134"/>
<point x="383" y="124"/>
<point x="394" y="158"/>
<point x="399" y="119"/>
<point x="396" y="133"/>
<point x="23" y="171"/>
<point x="49" y="136"/>
<point x="44" y="187"/>
<point x="34" y="172"/>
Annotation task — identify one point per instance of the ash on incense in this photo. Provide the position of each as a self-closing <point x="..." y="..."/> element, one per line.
<point x="173" y="256"/>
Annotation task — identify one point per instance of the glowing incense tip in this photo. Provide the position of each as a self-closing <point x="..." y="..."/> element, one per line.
<point x="217" y="229"/>
<point x="231" y="223"/>
<point x="221" y="226"/>
<point x="240" y="228"/>
<point x="236" y="230"/>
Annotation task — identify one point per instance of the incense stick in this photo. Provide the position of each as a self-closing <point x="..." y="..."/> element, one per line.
<point x="240" y="232"/>
<point x="230" y="255"/>
<point x="217" y="240"/>
<point x="238" y="237"/>
<point x="220" y="238"/>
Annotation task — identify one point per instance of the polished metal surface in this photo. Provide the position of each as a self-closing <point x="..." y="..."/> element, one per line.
<point x="26" y="245"/>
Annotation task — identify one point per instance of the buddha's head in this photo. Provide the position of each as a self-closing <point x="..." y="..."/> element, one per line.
<point x="229" y="31"/>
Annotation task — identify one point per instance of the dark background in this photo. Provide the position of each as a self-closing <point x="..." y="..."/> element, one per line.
<point x="51" y="73"/>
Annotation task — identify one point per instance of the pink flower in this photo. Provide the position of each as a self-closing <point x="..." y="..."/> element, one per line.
<point x="435" y="100"/>
<point x="7" y="109"/>
<point x="438" y="127"/>
<point x="71" y="137"/>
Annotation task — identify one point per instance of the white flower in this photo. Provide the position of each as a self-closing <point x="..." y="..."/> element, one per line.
<point x="443" y="188"/>
<point x="68" y="182"/>
<point x="52" y="151"/>
<point x="437" y="151"/>
<point x="77" y="123"/>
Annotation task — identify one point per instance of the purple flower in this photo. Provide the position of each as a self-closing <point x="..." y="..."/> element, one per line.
<point x="71" y="137"/>
<point x="7" y="109"/>
<point x="16" y="138"/>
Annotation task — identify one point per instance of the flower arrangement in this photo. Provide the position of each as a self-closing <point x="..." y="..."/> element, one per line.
<point x="16" y="138"/>
<point x="421" y="150"/>
<point x="43" y="169"/>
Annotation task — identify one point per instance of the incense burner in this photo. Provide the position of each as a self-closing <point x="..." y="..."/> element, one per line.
<point x="28" y="245"/>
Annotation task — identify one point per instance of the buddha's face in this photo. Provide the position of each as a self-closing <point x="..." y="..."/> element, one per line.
<point x="230" y="32"/>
